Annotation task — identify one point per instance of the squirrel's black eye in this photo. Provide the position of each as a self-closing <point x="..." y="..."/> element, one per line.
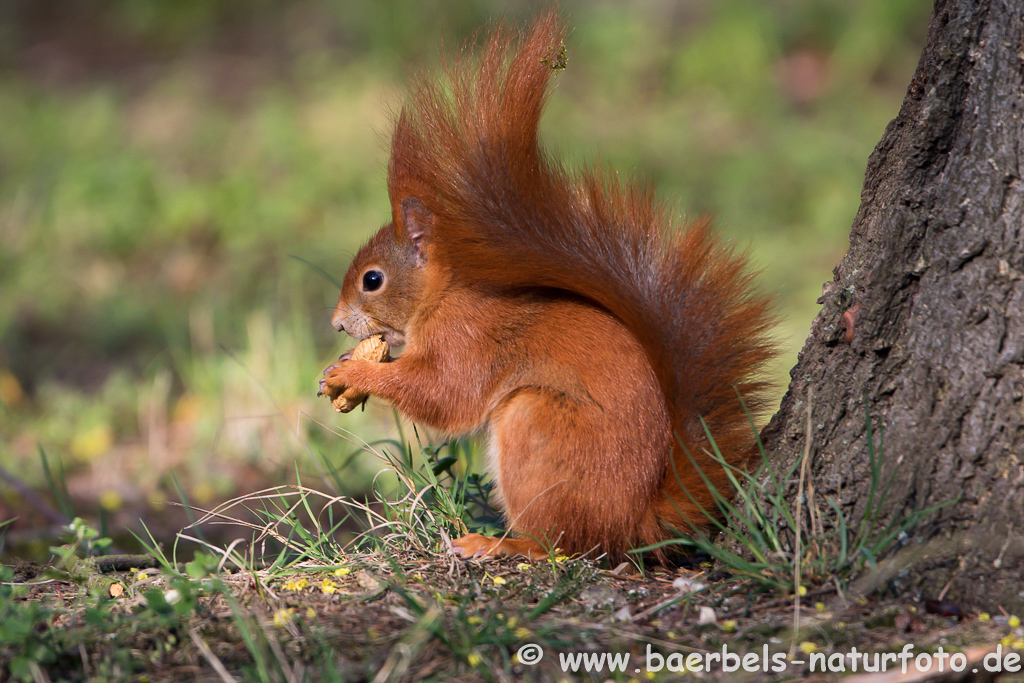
<point x="372" y="280"/>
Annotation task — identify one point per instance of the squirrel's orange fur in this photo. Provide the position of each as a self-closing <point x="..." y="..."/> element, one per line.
<point x="556" y="311"/>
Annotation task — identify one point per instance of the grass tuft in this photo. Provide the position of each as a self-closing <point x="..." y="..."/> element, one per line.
<point x="772" y="529"/>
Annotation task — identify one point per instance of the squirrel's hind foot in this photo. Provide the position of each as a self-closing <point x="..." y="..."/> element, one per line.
<point x="476" y="546"/>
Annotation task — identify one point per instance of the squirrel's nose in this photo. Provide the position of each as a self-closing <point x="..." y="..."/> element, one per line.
<point x="338" y="324"/>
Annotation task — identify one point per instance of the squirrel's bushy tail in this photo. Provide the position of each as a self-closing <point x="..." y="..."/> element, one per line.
<point x="510" y="216"/>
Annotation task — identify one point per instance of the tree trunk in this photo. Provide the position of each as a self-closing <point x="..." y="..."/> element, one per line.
<point x="936" y="267"/>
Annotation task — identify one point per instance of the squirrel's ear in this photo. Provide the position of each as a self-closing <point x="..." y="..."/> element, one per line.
<point x="418" y="223"/>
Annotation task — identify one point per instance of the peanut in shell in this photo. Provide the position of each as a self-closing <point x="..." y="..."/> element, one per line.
<point x="373" y="349"/>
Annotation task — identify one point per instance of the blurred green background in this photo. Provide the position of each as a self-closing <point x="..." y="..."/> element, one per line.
<point x="161" y="161"/>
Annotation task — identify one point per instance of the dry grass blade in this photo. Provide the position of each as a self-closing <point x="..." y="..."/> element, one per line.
<point x="404" y="652"/>
<point x="798" y="532"/>
<point x="211" y="658"/>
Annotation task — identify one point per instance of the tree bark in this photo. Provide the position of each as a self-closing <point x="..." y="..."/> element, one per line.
<point x="936" y="267"/>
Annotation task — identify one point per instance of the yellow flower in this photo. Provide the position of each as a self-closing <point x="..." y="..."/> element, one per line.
<point x="310" y="613"/>
<point x="522" y="566"/>
<point x="474" y="659"/>
<point x="283" y="616"/>
<point x="984" y="616"/>
<point x="328" y="586"/>
<point x="802" y="590"/>
<point x="11" y="393"/>
<point x="498" y="581"/>
<point x="512" y="622"/>
<point x="820" y="606"/>
<point x="188" y="409"/>
<point x="92" y="443"/>
<point x="807" y="647"/>
<point x="561" y="558"/>
<point x="1014" y="621"/>
<point x="522" y="633"/>
<point x="111" y="500"/>
<point x="203" y="491"/>
<point x="293" y="585"/>
<point x="474" y="620"/>
<point x="729" y="626"/>
<point x="342" y="571"/>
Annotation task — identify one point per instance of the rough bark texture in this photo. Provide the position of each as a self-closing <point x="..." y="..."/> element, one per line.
<point x="936" y="265"/>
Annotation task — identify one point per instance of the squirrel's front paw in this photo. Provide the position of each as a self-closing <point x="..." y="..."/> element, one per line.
<point x="330" y="386"/>
<point x="337" y="386"/>
<point x="337" y="381"/>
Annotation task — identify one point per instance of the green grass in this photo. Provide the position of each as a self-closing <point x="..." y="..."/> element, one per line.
<point x="773" y="530"/>
<point x="287" y="601"/>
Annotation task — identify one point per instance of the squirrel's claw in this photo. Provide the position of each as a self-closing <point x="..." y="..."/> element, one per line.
<point x="341" y="359"/>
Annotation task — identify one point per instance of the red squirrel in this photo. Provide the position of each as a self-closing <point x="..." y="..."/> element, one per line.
<point x="555" y="311"/>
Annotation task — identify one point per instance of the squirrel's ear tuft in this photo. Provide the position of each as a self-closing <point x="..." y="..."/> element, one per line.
<point x="418" y="224"/>
<point x="406" y="156"/>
